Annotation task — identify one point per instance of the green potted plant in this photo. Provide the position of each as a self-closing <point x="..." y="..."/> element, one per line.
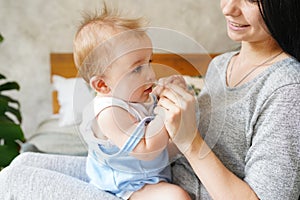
<point x="11" y="134"/>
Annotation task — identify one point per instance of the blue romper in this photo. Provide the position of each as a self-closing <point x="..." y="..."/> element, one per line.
<point x="112" y="169"/>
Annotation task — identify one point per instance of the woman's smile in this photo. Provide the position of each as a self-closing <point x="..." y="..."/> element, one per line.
<point x="236" y="26"/>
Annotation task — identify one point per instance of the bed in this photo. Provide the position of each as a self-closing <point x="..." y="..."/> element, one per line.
<point x="59" y="134"/>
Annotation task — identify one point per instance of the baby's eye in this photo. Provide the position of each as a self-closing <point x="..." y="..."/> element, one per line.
<point x="137" y="69"/>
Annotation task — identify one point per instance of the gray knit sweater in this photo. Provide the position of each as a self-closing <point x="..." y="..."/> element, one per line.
<point x="254" y="129"/>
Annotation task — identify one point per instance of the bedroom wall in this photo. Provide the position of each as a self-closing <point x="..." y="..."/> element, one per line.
<point x="34" y="28"/>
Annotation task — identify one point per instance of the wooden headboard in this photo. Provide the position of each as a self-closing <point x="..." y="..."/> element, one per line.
<point x="163" y="64"/>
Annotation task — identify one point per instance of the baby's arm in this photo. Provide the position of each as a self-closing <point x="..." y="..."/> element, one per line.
<point x="118" y="125"/>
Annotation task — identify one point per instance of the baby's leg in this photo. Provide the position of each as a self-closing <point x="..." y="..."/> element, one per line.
<point x="70" y="165"/>
<point x="162" y="190"/>
<point x="24" y="182"/>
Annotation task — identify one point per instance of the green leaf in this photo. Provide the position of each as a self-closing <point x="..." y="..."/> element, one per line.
<point x="11" y="132"/>
<point x="7" y="154"/>
<point x="4" y="118"/>
<point x="9" y="86"/>
<point x="3" y="106"/>
<point x="1" y="38"/>
<point x="15" y="112"/>
<point x="9" y="99"/>
<point x="2" y="76"/>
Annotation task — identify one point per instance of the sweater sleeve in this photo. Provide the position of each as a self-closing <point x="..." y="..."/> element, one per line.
<point x="272" y="162"/>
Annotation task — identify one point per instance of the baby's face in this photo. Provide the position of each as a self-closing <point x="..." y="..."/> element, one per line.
<point x="131" y="76"/>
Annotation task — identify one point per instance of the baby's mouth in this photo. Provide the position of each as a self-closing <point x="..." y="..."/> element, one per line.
<point x="149" y="90"/>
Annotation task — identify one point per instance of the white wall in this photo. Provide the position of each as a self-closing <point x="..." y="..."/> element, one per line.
<point x="34" y="28"/>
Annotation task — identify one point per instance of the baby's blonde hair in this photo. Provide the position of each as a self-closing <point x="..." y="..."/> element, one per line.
<point x="94" y="31"/>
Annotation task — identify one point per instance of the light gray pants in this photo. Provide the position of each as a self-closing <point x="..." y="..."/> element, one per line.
<point x="36" y="176"/>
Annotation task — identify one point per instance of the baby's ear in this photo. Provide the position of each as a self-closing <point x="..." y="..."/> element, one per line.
<point x="99" y="85"/>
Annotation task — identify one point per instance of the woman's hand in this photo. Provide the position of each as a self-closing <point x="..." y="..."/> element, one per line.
<point x="174" y="79"/>
<point x="178" y="106"/>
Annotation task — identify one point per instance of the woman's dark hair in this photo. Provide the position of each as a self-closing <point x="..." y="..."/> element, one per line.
<point x="282" y="18"/>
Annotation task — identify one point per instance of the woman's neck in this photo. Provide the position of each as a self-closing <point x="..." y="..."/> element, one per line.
<point x="254" y="53"/>
<point x="252" y="60"/>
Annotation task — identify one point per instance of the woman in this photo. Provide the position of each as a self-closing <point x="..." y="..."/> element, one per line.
<point x="248" y="143"/>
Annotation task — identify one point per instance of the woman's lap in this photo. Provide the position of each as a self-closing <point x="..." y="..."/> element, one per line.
<point x="69" y="165"/>
<point x="48" y="176"/>
<point x="26" y="182"/>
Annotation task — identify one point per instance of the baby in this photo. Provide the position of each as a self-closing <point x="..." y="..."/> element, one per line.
<point x="127" y="140"/>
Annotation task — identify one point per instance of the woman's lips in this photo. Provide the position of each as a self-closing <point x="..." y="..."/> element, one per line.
<point x="236" y="26"/>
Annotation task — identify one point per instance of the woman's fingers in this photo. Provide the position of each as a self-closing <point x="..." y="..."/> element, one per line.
<point x="177" y="95"/>
<point x="157" y="90"/>
<point x="171" y="115"/>
<point x="180" y="114"/>
<point x="180" y="91"/>
<point x="176" y="81"/>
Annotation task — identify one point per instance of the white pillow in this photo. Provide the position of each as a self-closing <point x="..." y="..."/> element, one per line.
<point x="73" y="95"/>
